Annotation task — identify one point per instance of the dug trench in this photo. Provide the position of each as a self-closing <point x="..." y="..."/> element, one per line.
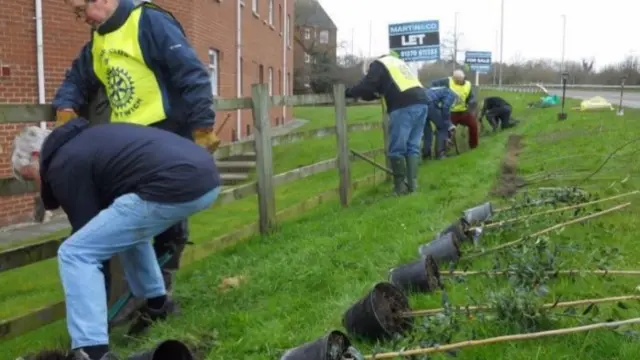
<point x="508" y="180"/>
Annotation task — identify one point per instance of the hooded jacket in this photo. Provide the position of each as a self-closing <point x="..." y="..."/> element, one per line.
<point x="84" y="169"/>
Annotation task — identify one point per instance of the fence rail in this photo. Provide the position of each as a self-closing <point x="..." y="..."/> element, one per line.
<point x="535" y="87"/>
<point x="260" y="103"/>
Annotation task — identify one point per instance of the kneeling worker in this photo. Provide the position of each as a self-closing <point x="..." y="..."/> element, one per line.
<point x="440" y="101"/>
<point x="462" y="110"/>
<point x="407" y="106"/>
<point x="120" y="185"/>
<point x="497" y="111"/>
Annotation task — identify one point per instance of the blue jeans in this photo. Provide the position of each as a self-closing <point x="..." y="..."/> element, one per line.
<point x="442" y="131"/>
<point x="406" y="126"/>
<point x="124" y="228"/>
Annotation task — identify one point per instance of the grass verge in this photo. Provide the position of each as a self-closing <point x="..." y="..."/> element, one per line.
<point x="300" y="280"/>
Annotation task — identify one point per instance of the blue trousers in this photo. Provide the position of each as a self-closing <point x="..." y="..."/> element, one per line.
<point x="125" y="228"/>
<point x="405" y="130"/>
<point x="442" y="131"/>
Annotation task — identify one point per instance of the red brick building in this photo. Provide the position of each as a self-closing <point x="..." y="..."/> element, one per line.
<point x="242" y="42"/>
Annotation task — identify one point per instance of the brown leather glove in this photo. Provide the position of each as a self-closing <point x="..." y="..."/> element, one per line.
<point x="64" y="115"/>
<point x="206" y="138"/>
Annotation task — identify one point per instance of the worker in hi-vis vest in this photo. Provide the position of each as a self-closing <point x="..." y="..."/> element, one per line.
<point x="462" y="111"/>
<point x="140" y="57"/>
<point x="406" y="102"/>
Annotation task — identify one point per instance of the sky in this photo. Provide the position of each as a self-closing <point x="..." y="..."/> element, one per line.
<point x="604" y="30"/>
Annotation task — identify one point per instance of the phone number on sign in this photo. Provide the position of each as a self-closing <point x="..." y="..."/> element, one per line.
<point x="418" y="53"/>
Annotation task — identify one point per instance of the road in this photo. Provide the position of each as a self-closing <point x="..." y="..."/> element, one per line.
<point x="630" y="99"/>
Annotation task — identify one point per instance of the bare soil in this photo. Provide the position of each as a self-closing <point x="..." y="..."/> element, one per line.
<point x="508" y="180"/>
<point x="433" y="273"/>
<point x="389" y="305"/>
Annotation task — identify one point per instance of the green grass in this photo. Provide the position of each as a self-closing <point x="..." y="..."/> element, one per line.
<point x="323" y="116"/>
<point x="301" y="279"/>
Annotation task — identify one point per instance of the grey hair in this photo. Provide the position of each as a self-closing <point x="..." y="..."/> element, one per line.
<point x="29" y="140"/>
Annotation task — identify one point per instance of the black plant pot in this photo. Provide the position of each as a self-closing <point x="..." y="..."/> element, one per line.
<point x="329" y="347"/>
<point x="459" y="229"/>
<point x="444" y="249"/>
<point x="378" y="315"/>
<point x="166" y="350"/>
<point x="478" y="214"/>
<point x="419" y="276"/>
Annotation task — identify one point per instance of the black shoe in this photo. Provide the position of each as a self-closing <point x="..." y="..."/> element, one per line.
<point x="147" y="316"/>
<point x="426" y="156"/>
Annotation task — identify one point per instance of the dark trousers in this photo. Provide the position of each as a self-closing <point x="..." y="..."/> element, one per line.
<point x="467" y="119"/>
<point x="500" y="115"/>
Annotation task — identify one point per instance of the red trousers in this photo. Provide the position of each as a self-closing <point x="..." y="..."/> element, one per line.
<point x="467" y="119"/>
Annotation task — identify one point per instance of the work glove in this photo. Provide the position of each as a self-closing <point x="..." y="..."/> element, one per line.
<point x="206" y="138"/>
<point x="64" y="115"/>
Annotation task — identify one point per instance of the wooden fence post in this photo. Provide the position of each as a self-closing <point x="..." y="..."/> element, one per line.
<point x="261" y="104"/>
<point x="385" y="136"/>
<point x="342" y="136"/>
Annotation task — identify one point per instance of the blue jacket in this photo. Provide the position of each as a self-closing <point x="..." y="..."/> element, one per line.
<point x="379" y="81"/>
<point x="83" y="168"/>
<point x="444" y="82"/>
<point x="442" y="98"/>
<point x="183" y="79"/>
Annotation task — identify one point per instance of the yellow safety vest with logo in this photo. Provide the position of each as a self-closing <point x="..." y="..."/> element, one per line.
<point x="131" y="87"/>
<point x="463" y="92"/>
<point x="400" y="74"/>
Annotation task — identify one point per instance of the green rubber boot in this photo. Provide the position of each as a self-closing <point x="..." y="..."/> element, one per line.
<point x="413" y="162"/>
<point x="399" y="169"/>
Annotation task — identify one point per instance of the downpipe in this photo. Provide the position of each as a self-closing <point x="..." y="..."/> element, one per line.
<point x="239" y="66"/>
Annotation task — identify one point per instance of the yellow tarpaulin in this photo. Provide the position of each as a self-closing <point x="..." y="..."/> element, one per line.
<point x="595" y="103"/>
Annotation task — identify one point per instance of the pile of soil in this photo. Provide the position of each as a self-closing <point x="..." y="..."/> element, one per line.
<point x="508" y="181"/>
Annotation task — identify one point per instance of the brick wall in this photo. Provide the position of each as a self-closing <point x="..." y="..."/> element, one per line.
<point x="210" y="24"/>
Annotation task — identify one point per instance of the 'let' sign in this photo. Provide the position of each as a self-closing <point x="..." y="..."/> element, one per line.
<point x="478" y="61"/>
<point x="416" y="41"/>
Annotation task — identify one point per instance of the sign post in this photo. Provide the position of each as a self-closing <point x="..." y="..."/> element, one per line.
<point x="415" y="41"/>
<point x="478" y="61"/>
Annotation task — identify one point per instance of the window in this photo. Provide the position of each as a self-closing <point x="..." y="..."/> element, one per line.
<point x="287" y="31"/>
<point x="307" y="34"/>
<point x="254" y="6"/>
<point x="270" y="12"/>
<point x="270" y="81"/>
<point x="280" y="82"/>
<point x="288" y="87"/>
<point x="214" y="55"/>
<point x="324" y="37"/>
<point x="307" y="58"/>
<point x="261" y="74"/>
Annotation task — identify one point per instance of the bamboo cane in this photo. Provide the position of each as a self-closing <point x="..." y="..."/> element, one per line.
<point x="549" y="229"/>
<point x="520" y="218"/>
<point x="470" y="343"/>
<point x="564" y="304"/>
<point x="561" y="272"/>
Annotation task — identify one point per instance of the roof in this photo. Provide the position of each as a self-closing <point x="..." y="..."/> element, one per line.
<point x="311" y="13"/>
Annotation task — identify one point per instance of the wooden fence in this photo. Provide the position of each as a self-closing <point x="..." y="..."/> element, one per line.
<point x="260" y="103"/>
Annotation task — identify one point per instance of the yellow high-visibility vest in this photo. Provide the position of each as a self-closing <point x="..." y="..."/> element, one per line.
<point x="131" y="87"/>
<point x="463" y="92"/>
<point x="400" y="73"/>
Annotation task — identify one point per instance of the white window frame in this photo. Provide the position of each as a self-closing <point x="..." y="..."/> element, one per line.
<point x="214" y="71"/>
<point x="307" y="58"/>
<point x="271" y="12"/>
<point x="254" y="6"/>
<point x="270" y="79"/>
<point x="307" y="34"/>
<point x="324" y="36"/>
